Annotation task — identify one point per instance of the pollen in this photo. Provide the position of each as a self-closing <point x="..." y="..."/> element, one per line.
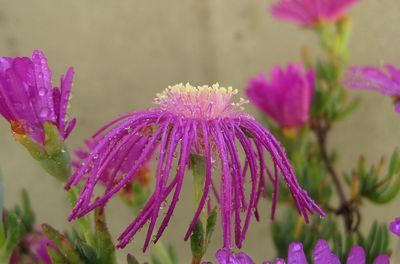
<point x="202" y="102"/>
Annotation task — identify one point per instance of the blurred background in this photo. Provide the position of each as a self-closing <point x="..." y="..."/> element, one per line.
<point x="126" y="51"/>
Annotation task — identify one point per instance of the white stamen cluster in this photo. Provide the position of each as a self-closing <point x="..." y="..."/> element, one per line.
<point x="203" y="102"/>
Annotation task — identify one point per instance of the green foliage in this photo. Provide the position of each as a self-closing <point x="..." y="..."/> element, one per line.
<point x="376" y="243"/>
<point x="292" y="228"/>
<point x="314" y="164"/>
<point x="73" y="248"/>
<point x="200" y="238"/>
<point x="371" y="184"/>
<point x="15" y="224"/>
<point x="66" y="249"/>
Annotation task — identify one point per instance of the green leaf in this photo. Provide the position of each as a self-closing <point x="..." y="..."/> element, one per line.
<point x="1" y="194"/>
<point x="155" y="260"/>
<point x="105" y="246"/>
<point x="210" y="226"/>
<point x="28" y="216"/>
<point x="56" y="256"/>
<point x="62" y="242"/>
<point x="197" y="241"/>
<point x="86" y="251"/>
<point x="15" y="231"/>
<point x="173" y="254"/>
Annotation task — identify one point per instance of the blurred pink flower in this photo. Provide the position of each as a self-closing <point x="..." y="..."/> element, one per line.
<point x="310" y="12"/>
<point x="224" y="256"/>
<point x="33" y="249"/>
<point x="118" y="167"/>
<point x="394" y="226"/>
<point x="372" y="78"/>
<point x="323" y="255"/>
<point x="287" y="97"/>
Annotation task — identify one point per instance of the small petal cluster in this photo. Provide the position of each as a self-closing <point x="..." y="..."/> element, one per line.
<point x="33" y="249"/>
<point x="372" y="78"/>
<point x="189" y="121"/>
<point x="287" y="97"/>
<point x="225" y="256"/>
<point x="310" y="13"/>
<point x="119" y="166"/>
<point x="323" y="254"/>
<point x="394" y="226"/>
<point x="28" y="100"/>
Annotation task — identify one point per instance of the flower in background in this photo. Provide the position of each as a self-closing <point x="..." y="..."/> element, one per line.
<point x="33" y="249"/>
<point x="323" y="255"/>
<point x="119" y="166"/>
<point x="226" y="257"/>
<point x="191" y="122"/>
<point x="287" y="97"/>
<point x="394" y="226"/>
<point x="37" y="111"/>
<point x="372" y="78"/>
<point x="310" y="12"/>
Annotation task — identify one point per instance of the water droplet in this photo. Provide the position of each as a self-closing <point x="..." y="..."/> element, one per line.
<point x="296" y="247"/>
<point x="163" y="205"/>
<point x="42" y="91"/>
<point x="44" y="112"/>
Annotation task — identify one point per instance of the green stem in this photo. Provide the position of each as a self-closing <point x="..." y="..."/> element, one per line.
<point x="83" y="223"/>
<point x="162" y="253"/>
<point x="199" y="171"/>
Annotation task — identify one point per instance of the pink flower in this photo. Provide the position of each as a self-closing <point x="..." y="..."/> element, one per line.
<point x="33" y="249"/>
<point x="191" y="121"/>
<point x="287" y="97"/>
<point x="119" y="166"/>
<point x="28" y="98"/>
<point x="36" y="110"/>
<point x="372" y="78"/>
<point x="225" y="256"/>
<point x="394" y="226"/>
<point x="310" y="12"/>
<point x="323" y="255"/>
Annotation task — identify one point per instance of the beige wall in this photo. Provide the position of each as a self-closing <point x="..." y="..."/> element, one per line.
<point x="126" y="51"/>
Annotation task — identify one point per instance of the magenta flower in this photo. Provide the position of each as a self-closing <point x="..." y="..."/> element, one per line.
<point x="287" y="97"/>
<point x="309" y="13"/>
<point x="202" y="121"/>
<point x="121" y="165"/>
<point x="33" y="249"/>
<point x="37" y="111"/>
<point x="394" y="226"/>
<point x="371" y="78"/>
<point x="28" y="100"/>
<point x="225" y="256"/>
<point x="323" y="255"/>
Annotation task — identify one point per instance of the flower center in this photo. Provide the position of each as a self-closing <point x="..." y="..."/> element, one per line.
<point x="203" y="102"/>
